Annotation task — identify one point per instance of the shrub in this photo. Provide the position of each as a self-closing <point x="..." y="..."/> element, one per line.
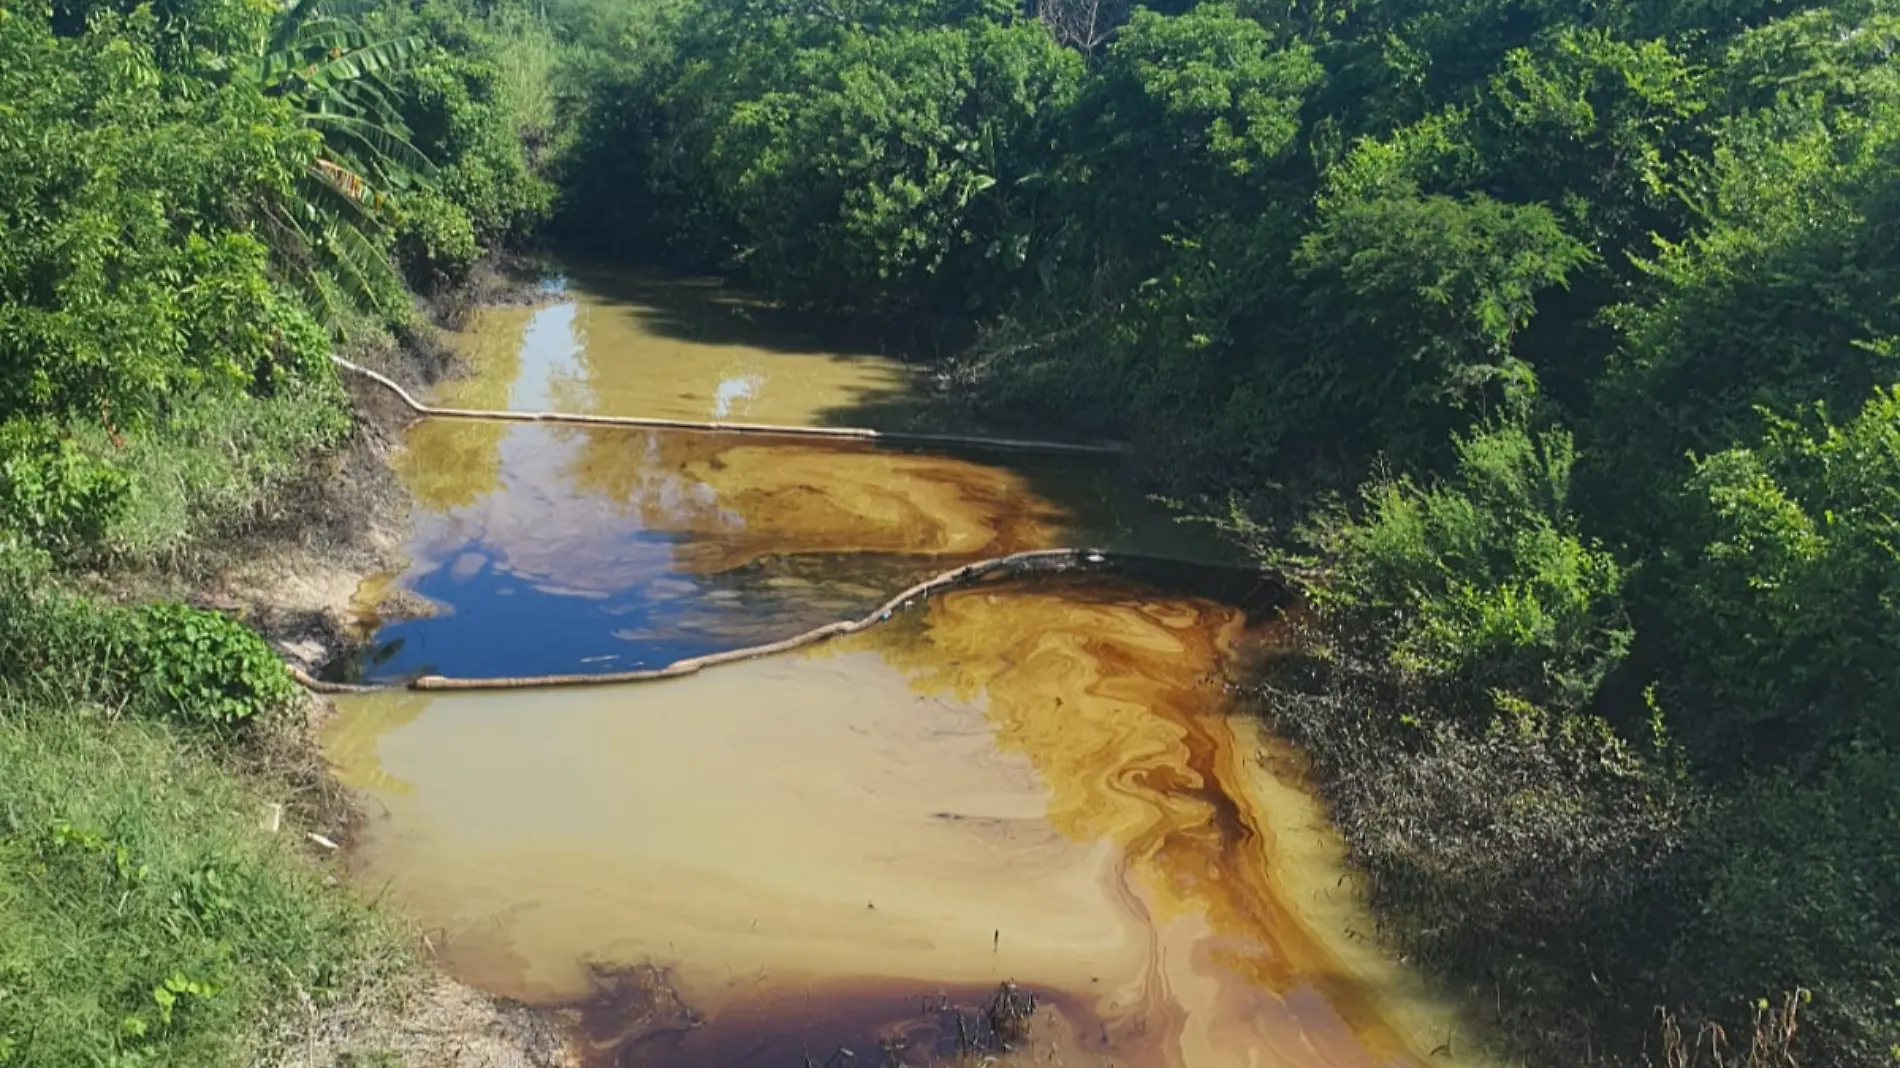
<point x="163" y="659"/>
<point x="52" y="492"/>
<point x="1417" y="303"/>
<point x="455" y="103"/>
<point x="436" y="243"/>
<point x="1483" y="579"/>
<point x="1784" y="593"/>
<point x="203" y="667"/>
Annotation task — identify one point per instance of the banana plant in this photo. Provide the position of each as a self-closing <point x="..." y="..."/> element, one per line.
<point x="327" y="232"/>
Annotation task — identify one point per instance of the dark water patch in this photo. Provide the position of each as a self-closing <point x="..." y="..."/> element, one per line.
<point x="501" y="623"/>
<point x="636" y="1019"/>
<point x="704" y="310"/>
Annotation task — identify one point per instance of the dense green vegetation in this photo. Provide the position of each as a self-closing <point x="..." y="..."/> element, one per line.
<point x="1553" y="344"/>
<point x="199" y="201"/>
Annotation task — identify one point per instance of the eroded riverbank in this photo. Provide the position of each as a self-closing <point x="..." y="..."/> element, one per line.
<point x="1038" y="779"/>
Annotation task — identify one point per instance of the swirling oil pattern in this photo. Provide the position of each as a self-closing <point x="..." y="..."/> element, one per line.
<point x="1037" y="780"/>
<point x="627" y="548"/>
<point x="550" y="548"/>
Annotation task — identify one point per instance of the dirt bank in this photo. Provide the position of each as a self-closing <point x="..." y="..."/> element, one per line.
<point x="434" y="1022"/>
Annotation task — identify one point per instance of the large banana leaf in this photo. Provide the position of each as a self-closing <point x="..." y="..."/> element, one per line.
<point x="363" y="99"/>
<point x="337" y="235"/>
<point x="301" y="14"/>
<point x="325" y="32"/>
<point x="362" y="62"/>
<point x="380" y="148"/>
<point x="327" y="230"/>
<point x="360" y="265"/>
<point x="312" y="45"/>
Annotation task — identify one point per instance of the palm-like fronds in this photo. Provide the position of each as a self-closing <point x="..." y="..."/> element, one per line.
<point x="322" y="236"/>
<point x="322" y="60"/>
<point x="388" y="156"/>
<point x="362" y="61"/>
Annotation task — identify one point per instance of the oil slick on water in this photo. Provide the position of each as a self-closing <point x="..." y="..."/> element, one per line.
<point x="553" y="549"/>
<point x="1037" y="779"/>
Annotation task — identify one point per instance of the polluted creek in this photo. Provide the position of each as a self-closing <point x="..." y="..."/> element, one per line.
<point x="1019" y="823"/>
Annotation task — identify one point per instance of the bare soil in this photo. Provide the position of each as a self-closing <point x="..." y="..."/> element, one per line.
<point x="436" y="1023"/>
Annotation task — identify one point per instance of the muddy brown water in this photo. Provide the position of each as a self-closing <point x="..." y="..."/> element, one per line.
<point x="1039" y="780"/>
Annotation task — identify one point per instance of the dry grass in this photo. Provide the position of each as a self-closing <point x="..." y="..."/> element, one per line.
<point x="1771" y="1040"/>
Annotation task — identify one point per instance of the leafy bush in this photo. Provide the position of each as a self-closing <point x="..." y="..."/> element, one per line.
<point x="203" y="667"/>
<point x="435" y="242"/>
<point x="1785" y="590"/>
<point x="877" y="175"/>
<point x="1420" y="300"/>
<point x="54" y="493"/>
<point x="1482" y="579"/>
<point x="1782" y="297"/>
<point x="119" y="287"/>
<point x="166" y="660"/>
<point x="456" y="101"/>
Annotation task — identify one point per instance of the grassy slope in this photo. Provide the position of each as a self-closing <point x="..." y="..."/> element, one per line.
<point x="134" y="867"/>
<point x="135" y="871"/>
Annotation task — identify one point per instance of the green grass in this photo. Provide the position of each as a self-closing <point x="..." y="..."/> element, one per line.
<point x="214" y="461"/>
<point x="146" y="917"/>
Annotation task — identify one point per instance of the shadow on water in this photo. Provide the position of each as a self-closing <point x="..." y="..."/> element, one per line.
<point x="705" y="310"/>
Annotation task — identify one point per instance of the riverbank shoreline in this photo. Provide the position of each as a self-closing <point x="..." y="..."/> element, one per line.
<point x="296" y="576"/>
<point x="306" y="596"/>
